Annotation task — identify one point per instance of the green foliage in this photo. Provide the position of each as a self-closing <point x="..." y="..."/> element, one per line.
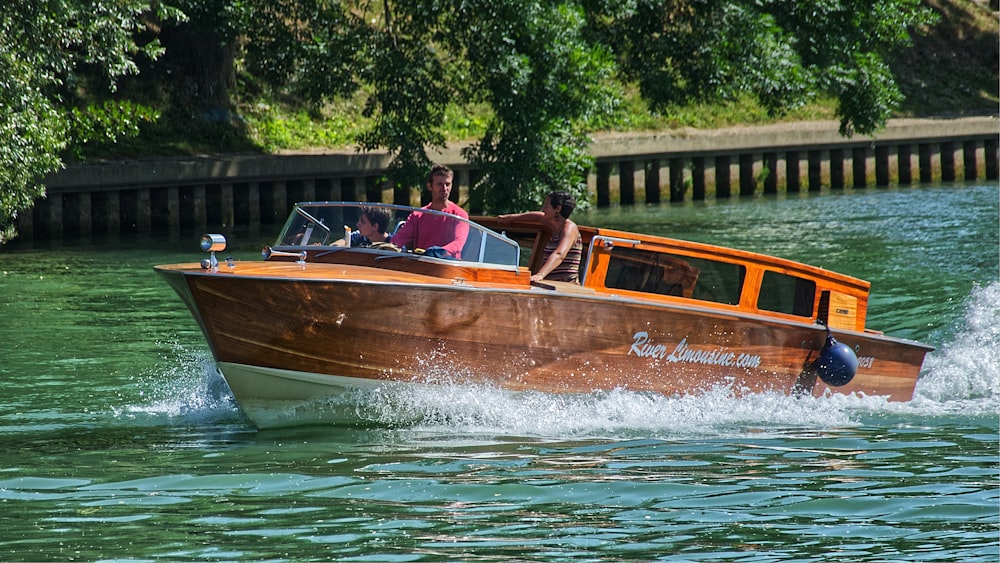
<point x="107" y="122"/>
<point x="546" y="85"/>
<point x="550" y="72"/>
<point x="32" y="134"/>
<point x="275" y="129"/>
<point x="525" y="80"/>
<point x="951" y="69"/>
<point x="51" y="53"/>
<point x="781" y="52"/>
<point x="311" y="48"/>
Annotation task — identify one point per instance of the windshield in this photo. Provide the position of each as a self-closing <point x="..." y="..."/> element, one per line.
<point x="333" y="223"/>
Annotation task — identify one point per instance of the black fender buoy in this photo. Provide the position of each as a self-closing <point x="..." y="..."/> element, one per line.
<point x="837" y="363"/>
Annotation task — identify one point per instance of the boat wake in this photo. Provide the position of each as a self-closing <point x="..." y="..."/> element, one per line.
<point x="480" y="409"/>
<point x="962" y="378"/>
<point x="191" y="392"/>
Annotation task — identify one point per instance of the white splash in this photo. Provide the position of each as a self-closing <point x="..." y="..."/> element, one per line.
<point x="963" y="376"/>
<point x="191" y="391"/>
<point x="485" y="409"/>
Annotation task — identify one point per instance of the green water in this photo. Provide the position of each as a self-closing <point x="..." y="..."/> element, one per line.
<point x="118" y="441"/>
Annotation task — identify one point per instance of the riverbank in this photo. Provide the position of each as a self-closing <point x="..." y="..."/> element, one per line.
<point x="685" y="164"/>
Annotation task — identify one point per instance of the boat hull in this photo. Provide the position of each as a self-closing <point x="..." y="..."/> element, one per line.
<point x="316" y="331"/>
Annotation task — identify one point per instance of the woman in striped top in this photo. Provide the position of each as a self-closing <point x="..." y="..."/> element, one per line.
<point x="563" y="252"/>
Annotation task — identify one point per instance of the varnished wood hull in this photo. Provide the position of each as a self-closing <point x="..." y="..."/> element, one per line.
<point x="317" y="329"/>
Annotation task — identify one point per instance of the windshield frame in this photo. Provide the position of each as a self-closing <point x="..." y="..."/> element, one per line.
<point x="308" y="219"/>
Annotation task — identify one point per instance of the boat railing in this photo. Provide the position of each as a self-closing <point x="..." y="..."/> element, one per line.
<point x="330" y="223"/>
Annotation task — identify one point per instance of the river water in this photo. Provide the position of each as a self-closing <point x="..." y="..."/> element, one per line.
<point x="118" y="440"/>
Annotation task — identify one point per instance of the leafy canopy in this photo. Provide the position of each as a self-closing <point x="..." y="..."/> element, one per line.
<point x="551" y="71"/>
<point x="53" y="54"/>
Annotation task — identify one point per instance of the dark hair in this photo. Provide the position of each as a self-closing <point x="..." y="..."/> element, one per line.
<point x="379" y="216"/>
<point x="563" y="200"/>
<point x="439" y="170"/>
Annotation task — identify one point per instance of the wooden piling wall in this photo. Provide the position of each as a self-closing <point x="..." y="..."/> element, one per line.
<point x="171" y="195"/>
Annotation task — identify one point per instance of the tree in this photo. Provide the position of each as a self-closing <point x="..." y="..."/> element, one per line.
<point x="552" y="70"/>
<point x="51" y="52"/>
<point x="546" y="84"/>
<point x="781" y="52"/>
<point x="528" y="59"/>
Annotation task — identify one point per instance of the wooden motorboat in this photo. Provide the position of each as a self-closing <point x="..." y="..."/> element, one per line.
<point x="651" y="314"/>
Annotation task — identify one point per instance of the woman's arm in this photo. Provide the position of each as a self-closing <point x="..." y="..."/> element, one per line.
<point x="509" y="218"/>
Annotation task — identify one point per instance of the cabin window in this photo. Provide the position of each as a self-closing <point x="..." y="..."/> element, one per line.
<point x="669" y="274"/>
<point x="782" y="293"/>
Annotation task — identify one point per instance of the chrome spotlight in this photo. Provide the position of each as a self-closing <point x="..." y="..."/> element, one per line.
<point x="212" y="243"/>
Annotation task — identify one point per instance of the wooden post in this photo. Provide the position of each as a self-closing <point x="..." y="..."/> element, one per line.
<point x="173" y="209"/>
<point x="748" y="183"/>
<point x="698" y="178"/>
<point x="881" y="166"/>
<point x="71" y="214"/>
<point x="54" y="215"/>
<point x="723" y="179"/>
<point x="948" y="161"/>
<point x="199" y="206"/>
<point x="837" y="169"/>
<point x="227" y="204"/>
<point x="253" y="204"/>
<point x="815" y="171"/>
<point x="603" y="184"/>
<point x="653" y="181"/>
<point x="213" y="206"/>
<point x="309" y="189"/>
<point x="771" y="180"/>
<point x="926" y="171"/>
<point x="991" y="148"/>
<point x="969" y="164"/>
<point x="278" y="203"/>
<point x="793" y="178"/>
<point x="859" y="167"/>
<point x="904" y="153"/>
<point x="770" y="164"/>
<point x="626" y="182"/>
<point x="112" y="212"/>
<point x="85" y="215"/>
<point x="143" y="210"/>
<point x="677" y="187"/>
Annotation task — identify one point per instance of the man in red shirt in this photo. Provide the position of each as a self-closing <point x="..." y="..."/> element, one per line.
<point x="430" y="230"/>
